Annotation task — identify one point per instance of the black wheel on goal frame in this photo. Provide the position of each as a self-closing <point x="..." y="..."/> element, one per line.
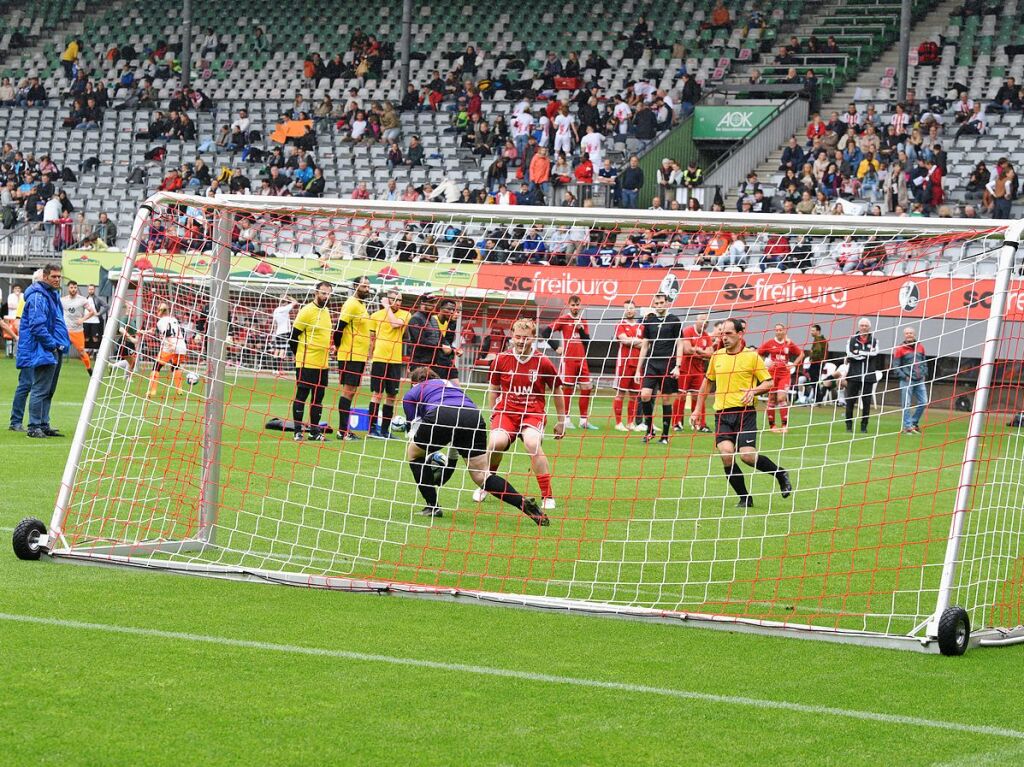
<point x="954" y="631"/>
<point x="26" y="539"/>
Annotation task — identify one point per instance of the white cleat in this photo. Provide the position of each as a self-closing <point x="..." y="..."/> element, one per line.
<point x="548" y="503"/>
<point x="479" y="495"/>
<point x="620" y="427"/>
<point x="569" y="424"/>
<point x="639" y="427"/>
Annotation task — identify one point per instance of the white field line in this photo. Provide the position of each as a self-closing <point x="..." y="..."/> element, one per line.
<point x="897" y="720"/>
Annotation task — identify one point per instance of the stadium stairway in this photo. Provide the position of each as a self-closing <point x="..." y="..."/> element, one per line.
<point x="875" y="84"/>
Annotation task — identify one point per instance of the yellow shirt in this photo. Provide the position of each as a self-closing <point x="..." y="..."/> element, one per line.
<point x="355" y="338"/>
<point x="314" y="325"/>
<point x="388" y="344"/>
<point x="71" y="52"/>
<point x="734" y="374"/>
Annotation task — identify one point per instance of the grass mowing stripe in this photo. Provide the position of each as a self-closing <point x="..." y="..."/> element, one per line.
<point x="529" y="676"/>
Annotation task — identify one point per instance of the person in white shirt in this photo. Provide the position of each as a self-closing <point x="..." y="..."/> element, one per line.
<point x="622" y="113"/>
<point x="241" y="123"/>
<point x="522" y="125"/>
<point x="173" y="348"/>
<point x="504" y="196"/>
<point x="52" y="211"/>
<point x="282" y="317"/>
<point x="592" y="144"/>
<point x="542" y="131"/>
<point x="644" y="90"/>
<point x="566" y="135"/>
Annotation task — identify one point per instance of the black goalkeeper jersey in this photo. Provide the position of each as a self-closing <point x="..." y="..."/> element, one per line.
<point x="661" y="334"/>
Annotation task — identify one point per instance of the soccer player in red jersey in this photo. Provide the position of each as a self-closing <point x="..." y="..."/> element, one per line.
<point x="573" y="369"/>
<point x="698" y="346"/>
<point x="629" y="334"/>
<point x="780" y="353"/>
<point x="520" y="381"/>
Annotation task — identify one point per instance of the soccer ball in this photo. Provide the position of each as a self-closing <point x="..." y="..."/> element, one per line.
<point x="191" y="378"/>
<point x="398" y="424"/>
<point x="442" y="467"/>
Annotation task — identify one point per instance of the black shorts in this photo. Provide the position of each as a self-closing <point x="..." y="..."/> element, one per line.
<point x="737" y="425"/>
<point x="318" y="379"/>
<point x="125" y="349"/>
<point x="461" y="427"/>
<point x="385" y="377"/>
<point x="447" y="372"/>
<point x="351" y="373"/>
<point x="280" y="343"/>
<point x="93" y="334"/>
<point x="658" y="379"/>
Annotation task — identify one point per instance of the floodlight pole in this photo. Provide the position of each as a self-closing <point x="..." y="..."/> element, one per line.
<point x="906" y="11"/>
<point x="406" y="45"/>
<point x="976" y="425"/>
<point x="216" y="342"/>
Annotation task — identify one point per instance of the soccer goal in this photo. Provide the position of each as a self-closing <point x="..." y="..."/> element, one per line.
<point x="895" y="351"/>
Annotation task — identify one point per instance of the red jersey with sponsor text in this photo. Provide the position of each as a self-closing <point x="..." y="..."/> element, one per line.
<point x="780" y="354"/>
<point x="569" y="328"/>
<point x="694" y="364"/>
<point x="630" y="330"/>
<point x="522" y="385"/>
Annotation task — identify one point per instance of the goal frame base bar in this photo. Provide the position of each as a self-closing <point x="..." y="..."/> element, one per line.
<point x="118" y="556"/>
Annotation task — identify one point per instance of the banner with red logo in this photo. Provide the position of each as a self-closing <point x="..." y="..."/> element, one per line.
<point x="845" y="294"/>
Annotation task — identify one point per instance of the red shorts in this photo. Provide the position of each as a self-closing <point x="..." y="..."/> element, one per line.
<point x="625" y="376"/>
<point x="514" y="423"/>
<point x="574" y="371"/>
<point x="691" y="381"/>
<point x="781" y="381"/>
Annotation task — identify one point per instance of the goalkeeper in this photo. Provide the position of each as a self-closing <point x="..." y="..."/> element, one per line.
<point x="440" y="414"/>
<point x="739" y="375"/>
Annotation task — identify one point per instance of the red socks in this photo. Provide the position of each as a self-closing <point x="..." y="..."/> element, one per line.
<point x="544" y="483"/>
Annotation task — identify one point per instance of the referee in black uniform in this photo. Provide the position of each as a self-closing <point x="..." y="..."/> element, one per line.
<point x="658" y="367"/>
<point x="739" y="375"/>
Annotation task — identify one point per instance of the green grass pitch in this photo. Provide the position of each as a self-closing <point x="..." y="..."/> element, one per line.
<point x="133" y="668"/>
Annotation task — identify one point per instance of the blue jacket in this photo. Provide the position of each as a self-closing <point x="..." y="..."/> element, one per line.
<point x="42" y="331"/>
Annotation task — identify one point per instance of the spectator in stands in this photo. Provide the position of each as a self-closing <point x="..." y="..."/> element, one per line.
<point x="689" y="95"/>
<point x="720" y="17"/>
<point x="691" y="181"/>
<point x="90" y="117"/>
<point x="540" y="174"/>
<point x="497" y="175"/>
<point x="552" y="69"/>
<point x="806" y="204"/>
<point x="390" y="123"/>
<point x="793" y="156"/>
<point x="631" y="181"/>
<point x="6" y="93"/>
<point x="973" y="124"/>
<point x="815" y="129"/>
<point x="977" y="181"/>
<point x="361" y="192"/>
<point x="106" y="230"/>
<point x="1004" y="190"/>
<point x="414" y="153"/>
<point x="172" y="182"/>
<point x="69" y="58"/>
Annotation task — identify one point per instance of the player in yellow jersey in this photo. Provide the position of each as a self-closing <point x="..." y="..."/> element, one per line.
<point x="310" y="342"/>
<point x="739" y="375"/>
<point x="387" y="329"/>
<point x="352" y="340"/>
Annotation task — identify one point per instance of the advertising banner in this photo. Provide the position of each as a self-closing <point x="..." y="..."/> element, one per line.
<point x="728" y="123"/>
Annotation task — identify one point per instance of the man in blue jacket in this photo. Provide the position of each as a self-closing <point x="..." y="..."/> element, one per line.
<point x="41" y="346"/>
<point x="910" y="366"/>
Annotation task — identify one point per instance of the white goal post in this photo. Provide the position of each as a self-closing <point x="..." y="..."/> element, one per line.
<point x="904" y="529"/>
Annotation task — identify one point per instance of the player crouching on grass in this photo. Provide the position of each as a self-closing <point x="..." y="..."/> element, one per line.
<point x="520" y="380"/>
<point x="441" y="414"/>
<point x="739" y="375"/>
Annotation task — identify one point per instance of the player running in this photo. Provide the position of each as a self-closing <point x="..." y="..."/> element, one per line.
<point x="573" y="370"/>
<point x="658" y="366"/>
<point x="77" y="309"/>
<point x="629" y="334"/>
<point x="739" y="375"/>
<point x="440" y="414"/>
<point x="387" y="328"/>
<point x="698" y="346"/>
<point x="780" y="353"/>
<point x="173" y="348"/>
<point x="520" y="381"/>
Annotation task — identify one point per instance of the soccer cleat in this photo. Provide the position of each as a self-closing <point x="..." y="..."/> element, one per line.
<point x="784" y="484"/>
<point x="647" y="437"/>
<point x="704" y="430"/>
<point x="479" y="495"/>
<point x="298" y="436"/>
<point x="588" y="426"/>
<point x="638" y="427"/>
<point x="347" y="436"/>
<point x="569" y="424"/>
<point x="531" y="510"/>
<point x="547" y="503"/>
<point x="385" y="434"/>
<point x="863" y="428"/>
<point x="745" y="502"/>
<point x="317" y="437"/>
<point x="663" y="440"/>
<point x="431" y="511"/>
<point x="374" y="433"/>
<point x="618" y="427"/>
<point x="677" y="427"/>
<point x="916" y="429"/>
